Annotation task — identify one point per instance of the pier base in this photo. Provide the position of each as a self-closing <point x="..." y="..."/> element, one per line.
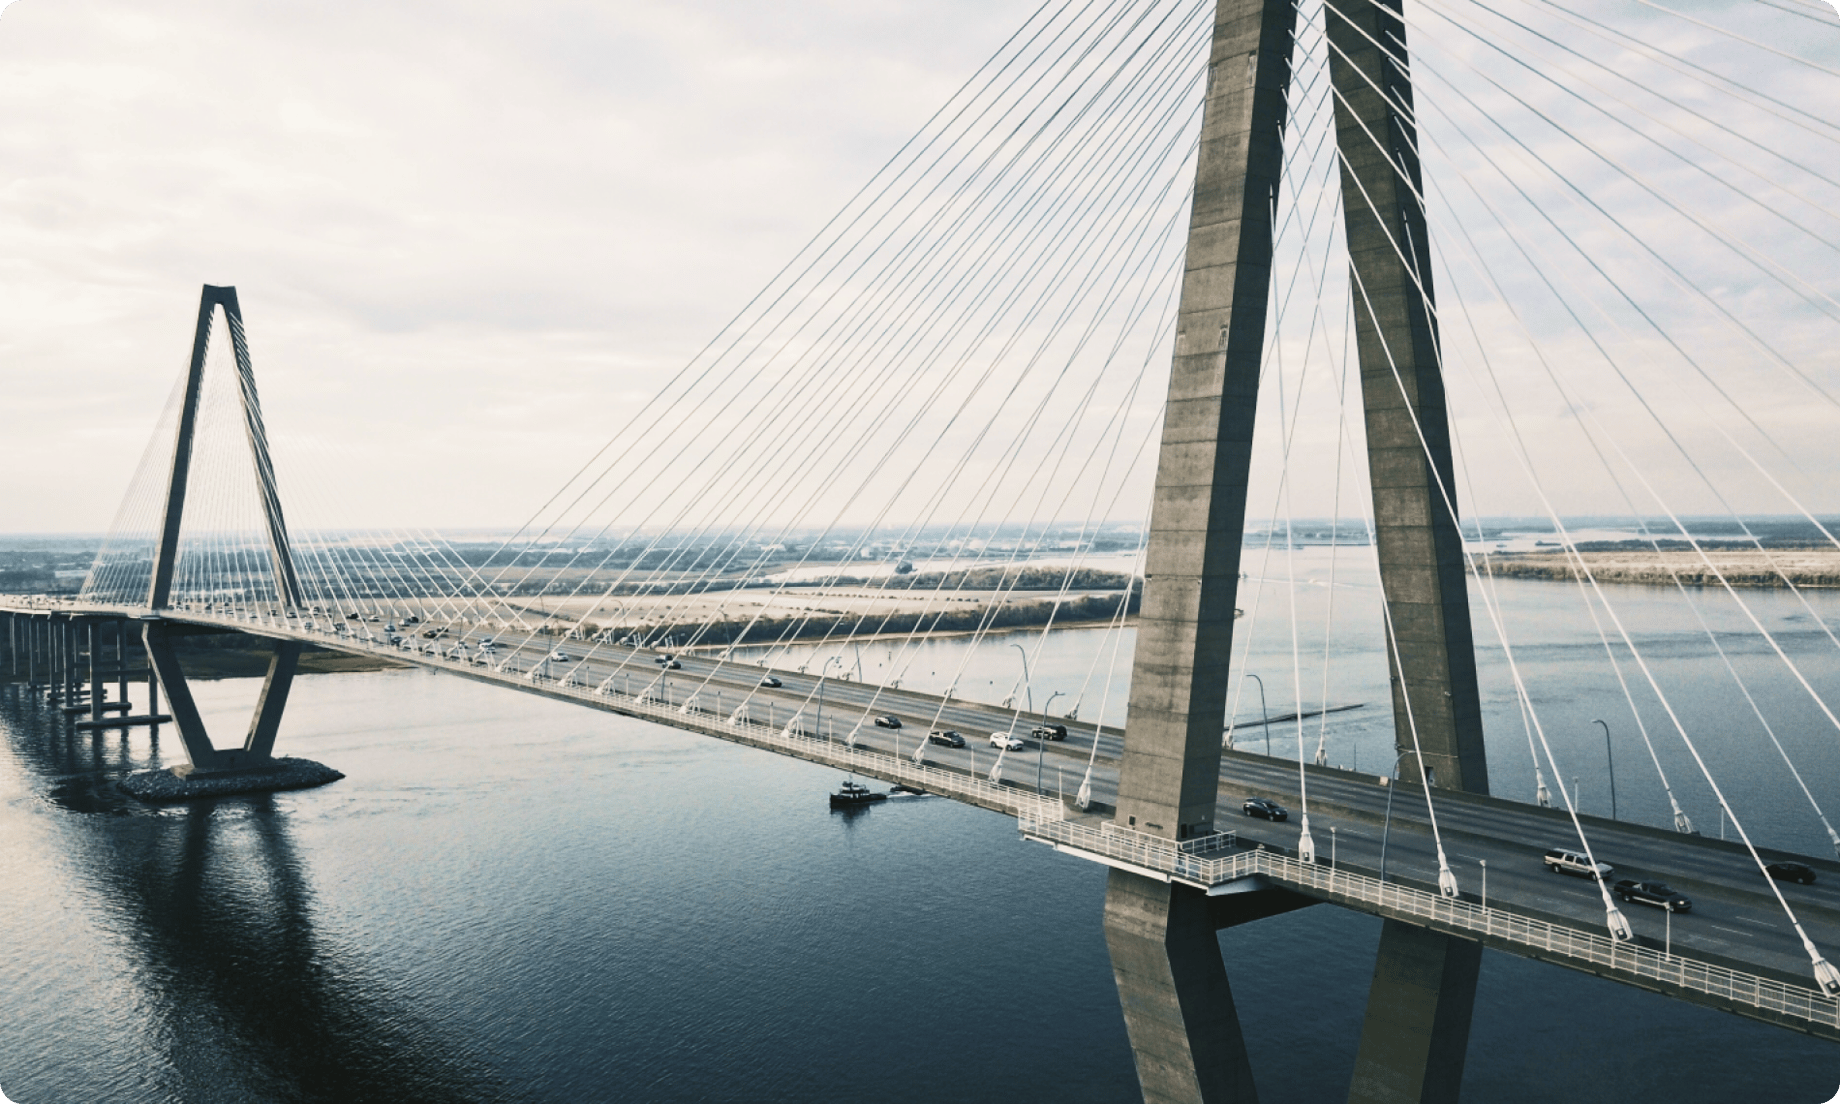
<point x="185" y="784"/>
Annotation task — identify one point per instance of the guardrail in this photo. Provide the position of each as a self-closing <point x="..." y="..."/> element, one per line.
<point x="1588" y="950"/>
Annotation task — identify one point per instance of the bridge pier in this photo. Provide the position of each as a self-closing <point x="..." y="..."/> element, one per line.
<point x="1415" y="1035"/>
<point x="1172" y="983"/>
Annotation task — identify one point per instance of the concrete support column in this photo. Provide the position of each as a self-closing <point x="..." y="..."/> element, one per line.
<point x="94" y="635"/>
<point x="121" y="661"/>
<point x="260" y="743"/>
<point x="198" y="751"/>
<point x="1178" y="1006"/>
<point x="1416" y="1032"/>
<point x="153" y="684"/>
<point x="71" y="678"/>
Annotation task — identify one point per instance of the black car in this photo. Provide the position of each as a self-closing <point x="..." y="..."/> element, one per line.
<point x="1652" y="893"/>
<point x="770" y="681"/>
<point x="1270" y="810"/>
<point x="664" y="658"/>
<point x="1050" y="731"/>
<point x="946" y="738"/>
<point x="673" y="665"/>
<point x="1791" y="872"/>
<point x="887" y="721"/>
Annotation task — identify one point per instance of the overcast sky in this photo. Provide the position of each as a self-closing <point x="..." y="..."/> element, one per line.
<point x="467" y="237"/>
<point x="473" y="233"/>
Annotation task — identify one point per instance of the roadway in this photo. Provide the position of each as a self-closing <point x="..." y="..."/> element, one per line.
<point x="1736" y="920"/>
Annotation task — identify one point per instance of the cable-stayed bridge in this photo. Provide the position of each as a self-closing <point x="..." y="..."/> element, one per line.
<point x="1109" y="277"/>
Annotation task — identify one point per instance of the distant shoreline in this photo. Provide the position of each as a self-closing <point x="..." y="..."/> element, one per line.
<point x="1814" y="568"/>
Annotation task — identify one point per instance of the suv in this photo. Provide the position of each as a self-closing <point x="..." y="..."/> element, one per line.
<point x="1560" y="860"/>
<point x="1652" y="893"/>
<point x="945" y="738"/>
<point x="1006" y="741"/>
<point x="1050" y="731"/>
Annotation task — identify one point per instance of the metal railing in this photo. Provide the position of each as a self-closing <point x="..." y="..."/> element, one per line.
<point x="1585" y="949"/>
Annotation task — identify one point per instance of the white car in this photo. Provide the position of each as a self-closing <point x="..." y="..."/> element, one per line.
<point x="1006" y="741"/>
<point x="561" y="656"/>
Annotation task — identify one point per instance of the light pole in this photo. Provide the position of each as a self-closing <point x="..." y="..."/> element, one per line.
<point x="1485" y="882"/>
<point x="1611" y="757"/>
<point x="1264" y="713"/>
<point x="1332" y="848"/>
<point x="1386" y="826"/>
<point x="1049" y="704"/>
<point x="1025" y="675"/>
<point x="821" y="673"/>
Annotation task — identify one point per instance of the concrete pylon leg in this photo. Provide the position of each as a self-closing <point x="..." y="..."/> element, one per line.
<point x="260" y="743"/>
<point x="1416" y="1032"/>
<point x="1178" y="1006"/>
<point x="165" y="664"/>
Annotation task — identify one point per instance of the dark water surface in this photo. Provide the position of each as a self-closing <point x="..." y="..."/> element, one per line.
<point x="515" y="899"/>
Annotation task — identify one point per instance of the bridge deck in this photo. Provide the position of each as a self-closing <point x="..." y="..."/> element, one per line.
<point x="1734" y="951"/>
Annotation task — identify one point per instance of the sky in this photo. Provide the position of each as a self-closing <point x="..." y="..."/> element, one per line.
<point x="465" y="236"/>
<point x="469" y="239"/>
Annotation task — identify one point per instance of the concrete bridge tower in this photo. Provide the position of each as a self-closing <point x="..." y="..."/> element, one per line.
<point x="258" y="746"/>
<point x="1172" y="982"/>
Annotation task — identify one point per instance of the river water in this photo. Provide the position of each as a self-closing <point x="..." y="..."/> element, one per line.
<point x="515" y="899"/>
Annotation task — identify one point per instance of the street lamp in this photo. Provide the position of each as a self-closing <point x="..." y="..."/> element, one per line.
<point x="1264" y="715"/>
<point x="821" y="673"/>
<point x="1025" y="674"/>
<point x="1611" y="756"/>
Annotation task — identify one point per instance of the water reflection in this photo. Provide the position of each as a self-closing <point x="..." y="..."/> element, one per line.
<point x="241" y="995"/>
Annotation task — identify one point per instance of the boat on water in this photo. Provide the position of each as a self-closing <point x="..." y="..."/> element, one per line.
<point x="853" y="794"/>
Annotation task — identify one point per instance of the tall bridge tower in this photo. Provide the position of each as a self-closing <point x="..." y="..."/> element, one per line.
<point x="258" y="746"/>
<point x="1172" y="982"/>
